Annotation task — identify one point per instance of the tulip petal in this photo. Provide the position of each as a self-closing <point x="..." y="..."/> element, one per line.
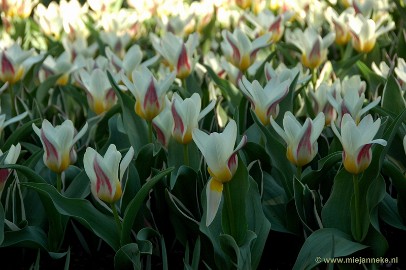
<point x="206" y="110"/>
<point x="125" y="162"/>
<point x="213" y="195"/>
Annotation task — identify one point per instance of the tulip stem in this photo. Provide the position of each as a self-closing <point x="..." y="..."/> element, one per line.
<point x="299" y="172"/>
<point x="186" y="154"/>
<point x="356" y="199"/>
<point x="314" y="78"/>
<point x="149" y="131"/>
<point x="116" y="218"/>
<point x="12" y="97"/>
<point x="59" y="182"/>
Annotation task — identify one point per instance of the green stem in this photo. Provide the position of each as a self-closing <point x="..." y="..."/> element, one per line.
<point x="229" y="205"/>
<point x="116" y="218"/>
<point x="12" y="97"/>
<point x="314" y="77"/>
<point x="299" y="172"/>
<point x="184" y="84"/>
<point x="59" y="182"/>
<point x="356" y="199"/>
<point x="186" y="154"/>
<point x="150" y="131"/>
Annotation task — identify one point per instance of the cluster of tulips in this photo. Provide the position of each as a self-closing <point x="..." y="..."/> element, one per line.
<point x="180" y="76"/>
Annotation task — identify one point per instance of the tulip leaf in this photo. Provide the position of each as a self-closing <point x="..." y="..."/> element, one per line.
<point x="43" y="88"/>
<point x="239" y="254"/>
<point x="135" y="205"/>
<point x="336" y="211"/>
<point x="29" y="236"/>
<point x="325" y="243"/>
<point x="81" y="210"/>
<point x="128" y="257"/>
<point x="234" y="219"/>
<point x="389" y="213"/>
<point x="79" y="187"/>
<point x="135" y="127"/>
<point x="324" y="165"/>
<point x="287" y="103"/>
<point x="401" y="50"/>
<point x="19" y="134"/>
<point x="373" y="79"/>
<point x="260" y="73"/>
<point x="392" y="96"/>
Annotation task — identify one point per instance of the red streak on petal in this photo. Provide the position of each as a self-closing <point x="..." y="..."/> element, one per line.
<point x="305" y="140"/>
<point x="4" y="175"/>
<point x="110" y="94"/>
<point x="101" y="177"/>
<point x="6" y="65"/>
<point x="315" y="52"/>
<point x="232" y="162"/>
<point x="151" y="97"/>
<point x="364" y="153"/>
<point x="178" y="123"/>
<point x="272" y="107"/>
<point x="276" y="25"/>
<point x="160" y="135"/>
<point x="236" y="52"/>
<point x="49" y="147"/>
<point x="183" y="60"/>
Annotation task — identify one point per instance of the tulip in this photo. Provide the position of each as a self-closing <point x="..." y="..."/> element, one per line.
<point x="222" y="162"/>
<point x="320" y="101"/>
<point x="177" y="53"/>
<point x="163" y="124"/>
<point x="62" y="66"/>
<point x="400" y="71"/>
<point x="148" y="92"/>
<point x="239" y="50"/>
<point x="106" y="173"/>
<point x="340" y="24"/>
<point x="265" y="101"/>
<point x="365" y="31"/>
<point x="301" y="140"/>
<point x="100" y="94"/>
<point x="186" y="114"/>
<point x="357" y="141"/>
<point x="351" y="99"/>
<point x="11" y="158"/>
<point x="312" y="45"/>
<point x="15" y="62"/>
<point x="58" y="144"/>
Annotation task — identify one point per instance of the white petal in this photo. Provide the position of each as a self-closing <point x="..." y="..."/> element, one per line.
<point x="213" y="198"/>
<point x="125" y="162"/>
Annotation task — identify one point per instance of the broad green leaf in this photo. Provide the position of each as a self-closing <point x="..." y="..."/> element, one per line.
<point x="30" y="236"/>
<point x="373" y="79"/>
<point x="81" y="210"/>
<point x="128" y="257"/>
<point x="134" y="206"/>
<point x="401" y="50"/>
<point x="325" y="243"/>
<point x="389" y="214"/>
<point x="234" y="220"/>
<point x="239" y="254"/>
<point x="336" y="211"/>
<point x="20" y="133"/>
<point x="257" y="223"/>
<point x="392" y="96"/>
<point x="79" y="187"/>
<point x="43" y="88"/>
<point x="398" y="179"/>
<point x="135" y="127"/>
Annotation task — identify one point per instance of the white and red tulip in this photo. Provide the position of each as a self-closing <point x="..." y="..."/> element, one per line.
<point x="222" y="161"/>
<point x="58" y="143"/>
<point x="106" y="172"/>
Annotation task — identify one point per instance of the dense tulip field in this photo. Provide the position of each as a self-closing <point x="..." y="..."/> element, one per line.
<point x="215" y="134"/>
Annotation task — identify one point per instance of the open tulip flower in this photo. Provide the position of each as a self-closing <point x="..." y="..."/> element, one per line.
<point x="15" y="62"/>
<point x="357" y="141"/>
<point x="177" y="53"/>
<point x="222" y="162"/>
<point x="365" y="31"/>
<point x="163" y="124"/>
<point x="11" y="158"/>
<point x="265" y="101"/>
<point x="351" y="99"/>
<point x="148" y="92"/>
<point x="186" y="115"/>
<point x="239" y="50"/>
<point x="105" y="173"/>
<point x="58" y="144"/>
<point x="100" y="94"/>
<point x="311" y="44"/>
<point x="301" y="140"/>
